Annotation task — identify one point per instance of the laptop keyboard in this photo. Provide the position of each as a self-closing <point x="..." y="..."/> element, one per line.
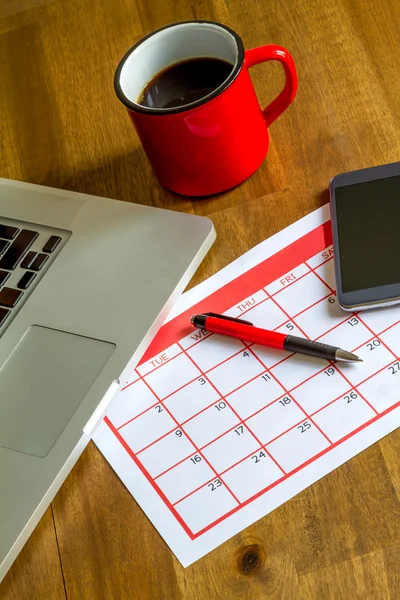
<point x="26" y="252"/>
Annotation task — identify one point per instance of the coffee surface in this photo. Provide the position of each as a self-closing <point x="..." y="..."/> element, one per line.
<point x="185" y="82"/>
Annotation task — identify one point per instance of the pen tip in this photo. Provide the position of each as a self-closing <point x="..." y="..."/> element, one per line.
<point x="345" y="356"/>
<point x="192" y="319"/>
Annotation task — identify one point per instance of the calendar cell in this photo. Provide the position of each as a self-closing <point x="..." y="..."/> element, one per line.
<point x="243" y="306"/>
<point x="252" y="475"/>
<point x="191" y="399"/>
<point x="327" y="274"/>
<point x="305" y="441"/>
<point x="275" y="419"/>
<point x="287" y="279"/>
<point x="165" y="453"/>
<point x="211" y="423"/>
<point x="159" y="360"/>
<point x="296" y="369"/>
<point x="147" y="428"/>
<point x="235" y="372"/>
<point x="230" y="448"/>
<point x="172" y="376"/>
<point x="214" y="350"/>
<point x="130" y="402"/>
<point x="351" y="329"/>
<point x="206" y="505"/>
<point x="321" y="317"/>
<point x="321" y="257"/>
<point x="193" y="338"/>
<point x="375" y="356"/>
<point x="268" y="356"/>
<point x="302" y="294"/>
<point x="266" y="315"/>
<point x="185" y="478"/>
<point x="344" y="416"/>
<point x="391" y="338"/>
<point x="255" y="395"/>
<point x="131" y="378"/>
<point x="320" y="390"/>
<point x="290" y="328"/>
<point x="380" y="320"/>
<point x="383" y="389"/>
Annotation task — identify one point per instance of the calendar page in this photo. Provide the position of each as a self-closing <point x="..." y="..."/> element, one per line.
<point x="211" y="433"/>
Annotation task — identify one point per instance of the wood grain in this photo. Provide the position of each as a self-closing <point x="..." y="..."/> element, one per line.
<point x="37" y="573"/>
<point x="61" y="125"/>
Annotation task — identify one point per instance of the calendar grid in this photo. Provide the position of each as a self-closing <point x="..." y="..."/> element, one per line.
<point x="248" y="346"/>
<point x="240" y="421"/>
<point x="289" y="320"/>
<point x="247" y="425"/>
<point x="188" y="437"/>
<point x="287" y="393"/>
<point x="148" y="477"/>
<point x="332" y="328"/>
<point x="376" y="336"/>
<point x="331" y="362"/>
<point x="288" y="285"/>
<point x="390" y="327"/>
<point x="195" y="535"/>
<point x="163" y="364"/>
<point x="138" y="415"/>
<point x="320" y="278"/>
<point x="306" y="336"/>
<point x="287" y="314"/>
<point x="359" y="393"/>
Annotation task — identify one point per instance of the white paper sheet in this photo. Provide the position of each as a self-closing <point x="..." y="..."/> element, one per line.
<point x="210" y="434"/>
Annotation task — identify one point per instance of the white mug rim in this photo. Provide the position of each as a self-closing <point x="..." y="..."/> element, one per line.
<point x="136" y="107"/>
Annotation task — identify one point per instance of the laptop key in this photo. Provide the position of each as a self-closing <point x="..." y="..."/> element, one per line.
<point x="28" y="260"/>
<point x="9" y="297"/>
<point x="39" y="262"/>
<point x="3" y="315"/>
<point x="8" y="232"/>
<point x="51" y="244"/>
<point x="26" y="280"/>
<point x="3" y="246"/>
<point x="16" y="251"/>
<point x="4" y="275"/>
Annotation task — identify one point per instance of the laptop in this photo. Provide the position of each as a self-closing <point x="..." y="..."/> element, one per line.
<point x="85" y="283"/>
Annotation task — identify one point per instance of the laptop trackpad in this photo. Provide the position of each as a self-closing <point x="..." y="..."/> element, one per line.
<point x="42" y="384"/>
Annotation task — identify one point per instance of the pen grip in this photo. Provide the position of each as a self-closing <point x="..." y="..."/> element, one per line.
<point x="317" y="349"/>
<point x="256" y="335"/>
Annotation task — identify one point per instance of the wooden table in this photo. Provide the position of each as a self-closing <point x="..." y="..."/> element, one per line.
<point x="62" y="126"/>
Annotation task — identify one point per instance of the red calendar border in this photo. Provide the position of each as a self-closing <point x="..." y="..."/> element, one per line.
<point x="243" y="286"/>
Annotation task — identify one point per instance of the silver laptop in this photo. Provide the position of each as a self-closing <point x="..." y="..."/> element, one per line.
<point x="85" y="282"/>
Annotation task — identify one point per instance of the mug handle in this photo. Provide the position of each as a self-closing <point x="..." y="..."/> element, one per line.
<point x="265" y="53"/>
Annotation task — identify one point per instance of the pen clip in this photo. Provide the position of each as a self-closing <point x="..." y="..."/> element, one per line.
<point x="217" y="316"/>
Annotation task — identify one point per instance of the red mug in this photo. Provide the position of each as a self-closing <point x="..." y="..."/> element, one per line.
<point x="217" y="142"/>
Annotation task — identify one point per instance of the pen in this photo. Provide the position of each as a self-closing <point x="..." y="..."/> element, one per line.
<point x="244" y="330"/>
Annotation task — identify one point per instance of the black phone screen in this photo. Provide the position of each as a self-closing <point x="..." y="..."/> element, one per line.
<point x="368" y="223"/>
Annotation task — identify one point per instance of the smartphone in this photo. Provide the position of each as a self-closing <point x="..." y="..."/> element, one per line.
<point x="365" y="211"/>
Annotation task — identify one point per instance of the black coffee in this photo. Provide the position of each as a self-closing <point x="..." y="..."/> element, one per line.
<point x="185" y="82"/>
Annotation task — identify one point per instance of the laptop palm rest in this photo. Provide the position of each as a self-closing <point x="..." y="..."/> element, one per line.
<point x="42" y="384"/>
